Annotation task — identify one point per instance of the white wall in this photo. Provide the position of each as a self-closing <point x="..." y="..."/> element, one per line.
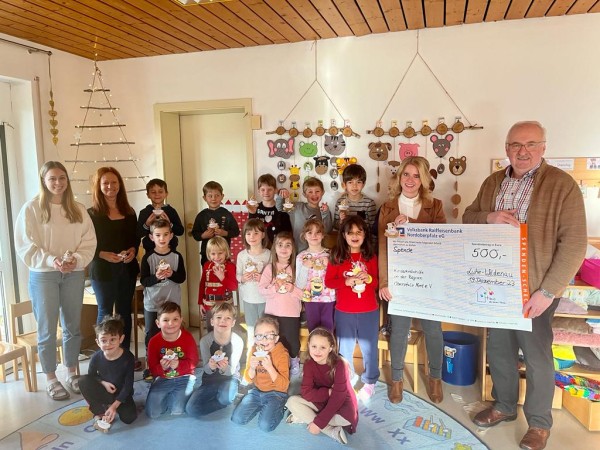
<point x="498" y="73"/>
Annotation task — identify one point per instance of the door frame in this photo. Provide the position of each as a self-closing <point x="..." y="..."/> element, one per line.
<point x="168" y="152"/>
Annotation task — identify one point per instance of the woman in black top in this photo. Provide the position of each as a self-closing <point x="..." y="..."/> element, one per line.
<point x="114" y="269"/>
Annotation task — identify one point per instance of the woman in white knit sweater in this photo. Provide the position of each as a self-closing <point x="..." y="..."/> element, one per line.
<point x="55" y="238"/>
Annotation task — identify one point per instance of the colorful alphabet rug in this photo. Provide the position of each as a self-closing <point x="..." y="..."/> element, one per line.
<point x="412" y="424"/>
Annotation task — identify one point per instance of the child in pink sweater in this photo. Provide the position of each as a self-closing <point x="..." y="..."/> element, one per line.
<point x="282" y="296"/>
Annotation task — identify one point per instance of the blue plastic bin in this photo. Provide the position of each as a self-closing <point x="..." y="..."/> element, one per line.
<point x="460" y="358"/>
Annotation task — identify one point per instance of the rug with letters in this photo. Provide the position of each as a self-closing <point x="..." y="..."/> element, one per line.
<point x="412" y="424"/>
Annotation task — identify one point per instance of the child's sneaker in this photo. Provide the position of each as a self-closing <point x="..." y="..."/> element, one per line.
<point x="366" y="392"/>
<point x="295" y="367"/>
<point x="147" y="376"/>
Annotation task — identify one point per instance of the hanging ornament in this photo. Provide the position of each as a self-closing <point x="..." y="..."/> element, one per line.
<point x="293" y="131"/>
<point x="408" y="149"/>
<point x="307" y="133"/>
<point x="308" y="149"/>
<point x="458" y="165"/>
<point x="441" y="128"/>
<point x="320" y="130"/>
<point x="281" y="148"/>
<point x="426" y="129"/>
<point x="458" y="126"/>
<point x="294" y="177"/>
<point x="321" y="164"/>
<point x="394" y="131"/>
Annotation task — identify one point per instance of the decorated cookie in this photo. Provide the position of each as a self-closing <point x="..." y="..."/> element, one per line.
<point x="219" y="355"/>
<point x="68" y="257"/>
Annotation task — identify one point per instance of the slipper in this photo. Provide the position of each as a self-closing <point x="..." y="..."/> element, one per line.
<point x="56" y="391"/>
<point x="73" y="384"/>
<point x="138" y="365"/>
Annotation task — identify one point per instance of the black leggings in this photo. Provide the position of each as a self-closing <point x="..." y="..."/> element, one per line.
<point x="289" y="334"/>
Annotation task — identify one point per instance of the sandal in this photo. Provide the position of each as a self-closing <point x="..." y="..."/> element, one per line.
<point x="73" y="384"/>
<point x="56" y="391"/>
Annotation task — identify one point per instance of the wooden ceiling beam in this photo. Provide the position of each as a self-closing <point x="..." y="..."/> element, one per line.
<point x="330" y="14"/>
<point x="353" y="17"/>
<point x="518" y="9"/>
<point x="84" y="47"/>
<point x="79" y="40"/>
<point x="539" y="8"/>
<point x="413" y="13"/>
<point x="110" y="22"/>
<point x="455" y="12"/>
<point x="306" y="9"/>
<point x="560" y="8"/>
<point x="192" y="24"/>
<point x="582" y="6"/>
<point x="83" y="26"/>
<point x="394" y="16"/>
<point x="262" y="9"/>
<point x="291" y="16"/>
<point x="51" y="40"/>
<point x="244" y="13"/>
<point x="146" y="23"/>
<point x="496" y="10"/>
<point x="434" y="13"/>
<point x="476" y="11"/>
<point x="373" y="15"/>
<point x="218" y="10"/>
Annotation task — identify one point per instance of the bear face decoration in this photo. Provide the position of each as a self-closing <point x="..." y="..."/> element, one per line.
<point x="408" y="149"/>
<point x="335" y="145"/>
<point x="281" y="148"/>
<point x="393" y="166"/>
<point x="441" y="146"/>
<point x="321" y="164"/>
<point x="458" y="165"/>
<point x="308" y="149"/>
<point x="379" y="151"/>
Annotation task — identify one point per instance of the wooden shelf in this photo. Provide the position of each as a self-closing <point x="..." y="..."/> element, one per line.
<point x="486" y="383"/>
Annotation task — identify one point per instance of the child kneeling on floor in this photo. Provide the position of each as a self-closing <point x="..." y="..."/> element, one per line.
<point x="108" y="386"/>
<point x="327" y="402"/>
<point x="268" y="369"/>
<point x="221" y="350"/>
<point x="172" y="358"/>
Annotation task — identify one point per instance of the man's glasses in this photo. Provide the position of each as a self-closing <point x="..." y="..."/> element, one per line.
<point x="516" y="146"/>
<point x="268" y="337"/>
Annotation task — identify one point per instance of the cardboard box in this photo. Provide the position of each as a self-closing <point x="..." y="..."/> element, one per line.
<point x="586" y="411"/>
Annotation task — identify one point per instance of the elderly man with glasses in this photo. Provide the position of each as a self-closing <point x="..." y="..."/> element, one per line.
<point x="549" y="201"/>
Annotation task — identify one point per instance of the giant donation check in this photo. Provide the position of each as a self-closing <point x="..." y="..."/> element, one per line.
<point x="466" y="274"/>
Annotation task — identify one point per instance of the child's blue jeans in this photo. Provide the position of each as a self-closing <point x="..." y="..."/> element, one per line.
<point x="167" y="395"/>
<point x="268" y="405"/>
<point x="212" y="396"/>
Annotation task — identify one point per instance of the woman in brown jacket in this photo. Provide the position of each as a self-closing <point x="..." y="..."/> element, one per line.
<point x="411" y="202"/>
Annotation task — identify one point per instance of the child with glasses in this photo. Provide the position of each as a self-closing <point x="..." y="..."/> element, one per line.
<point x="268" y="369"/>
<point x="283" y="296"/>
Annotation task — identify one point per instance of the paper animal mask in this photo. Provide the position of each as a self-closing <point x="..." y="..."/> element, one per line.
<point x="281" y="148"/>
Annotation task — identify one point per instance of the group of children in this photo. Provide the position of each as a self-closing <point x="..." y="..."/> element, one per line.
<point x="284" y="265"/>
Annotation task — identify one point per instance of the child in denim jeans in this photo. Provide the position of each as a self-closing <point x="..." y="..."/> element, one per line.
<point x="172" y="358"/>
<point x="268" y="369"/>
